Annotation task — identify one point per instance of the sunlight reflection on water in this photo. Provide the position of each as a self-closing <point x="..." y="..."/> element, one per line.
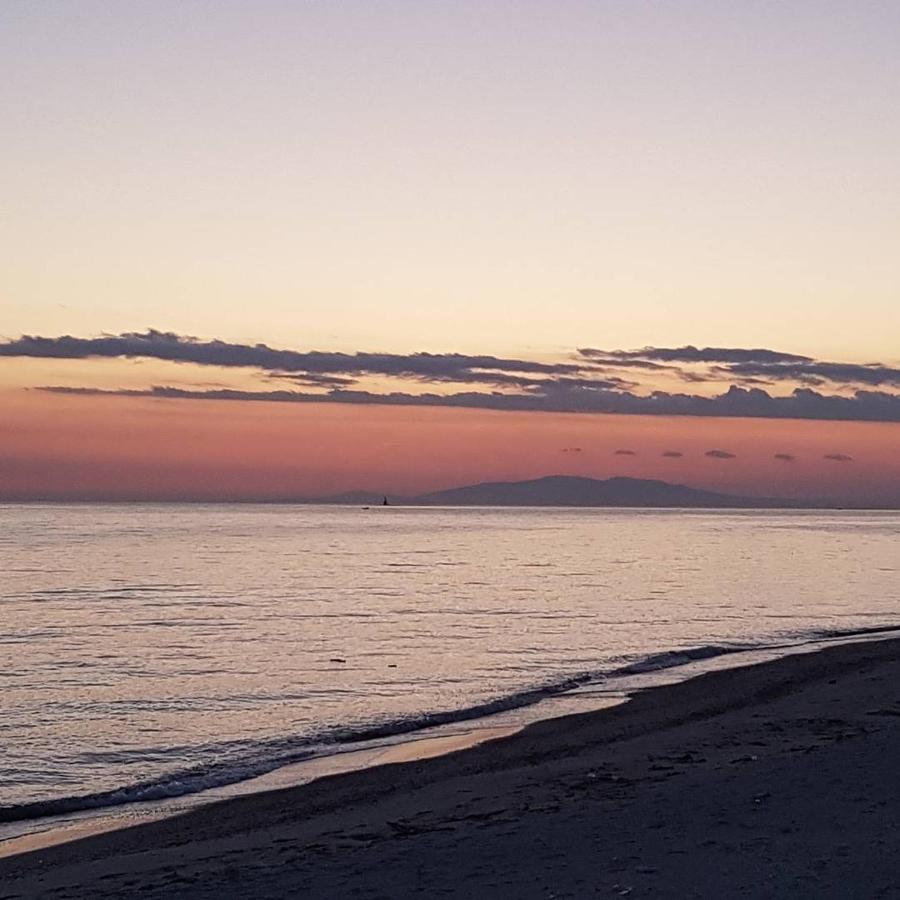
<point x="141" y="640"/>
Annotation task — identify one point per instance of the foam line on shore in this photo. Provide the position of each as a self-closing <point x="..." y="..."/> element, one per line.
<point x="791" y="756"/>
<point x="269" y="756"/>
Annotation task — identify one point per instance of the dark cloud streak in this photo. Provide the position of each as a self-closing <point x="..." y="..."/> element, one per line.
<point x="754" y="366"/>
<point x="587" y="385"/>
<point x="171" y="347"/>
<point x="817" y="373"/>
<point x="734" y="403"/>
<point x="691" y="354"/>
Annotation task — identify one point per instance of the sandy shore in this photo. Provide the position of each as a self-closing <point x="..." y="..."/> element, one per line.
<point x="775" y="780"/>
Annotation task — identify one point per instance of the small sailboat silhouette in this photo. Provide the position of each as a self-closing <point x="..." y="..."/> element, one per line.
<point x="385" y="502"/>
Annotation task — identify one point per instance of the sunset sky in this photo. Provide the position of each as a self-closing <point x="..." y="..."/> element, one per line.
<point x="286" y="249"/>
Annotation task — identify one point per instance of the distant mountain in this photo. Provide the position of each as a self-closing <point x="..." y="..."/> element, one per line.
<point x="571" y="490"/>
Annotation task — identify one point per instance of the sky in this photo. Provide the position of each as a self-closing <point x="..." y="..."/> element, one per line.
<point x="284" y="249"/>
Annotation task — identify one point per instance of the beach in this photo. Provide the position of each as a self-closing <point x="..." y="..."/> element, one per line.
<point x="771" y="780"/>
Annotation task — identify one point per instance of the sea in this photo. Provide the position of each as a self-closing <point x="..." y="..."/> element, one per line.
<point x="159" y="651"/>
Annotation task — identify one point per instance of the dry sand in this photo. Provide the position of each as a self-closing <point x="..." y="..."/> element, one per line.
<point x="775" y="780"/>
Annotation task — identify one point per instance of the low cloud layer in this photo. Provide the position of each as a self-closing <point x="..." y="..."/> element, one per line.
<point x="163" y="345"/>
<point x="819" y="373"/>
<point x="736" y="402"/>
<point x="719" y="454"/>
<point x="755" y="367"/>
<point x="592" y="381"/>
<point x="691" y="354"/>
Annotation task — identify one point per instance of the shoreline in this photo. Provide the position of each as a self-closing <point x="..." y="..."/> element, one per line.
<point x="103" y="820"/>
<point x="701" y="732"/>
<point x="583" y="694"/>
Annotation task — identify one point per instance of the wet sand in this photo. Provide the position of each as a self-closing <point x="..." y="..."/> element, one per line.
<point x="772" y="780"/>
<point x="422" y="745"/>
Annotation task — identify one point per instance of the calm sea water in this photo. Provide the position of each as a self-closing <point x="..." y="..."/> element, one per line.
<point x="159" y="649"/>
